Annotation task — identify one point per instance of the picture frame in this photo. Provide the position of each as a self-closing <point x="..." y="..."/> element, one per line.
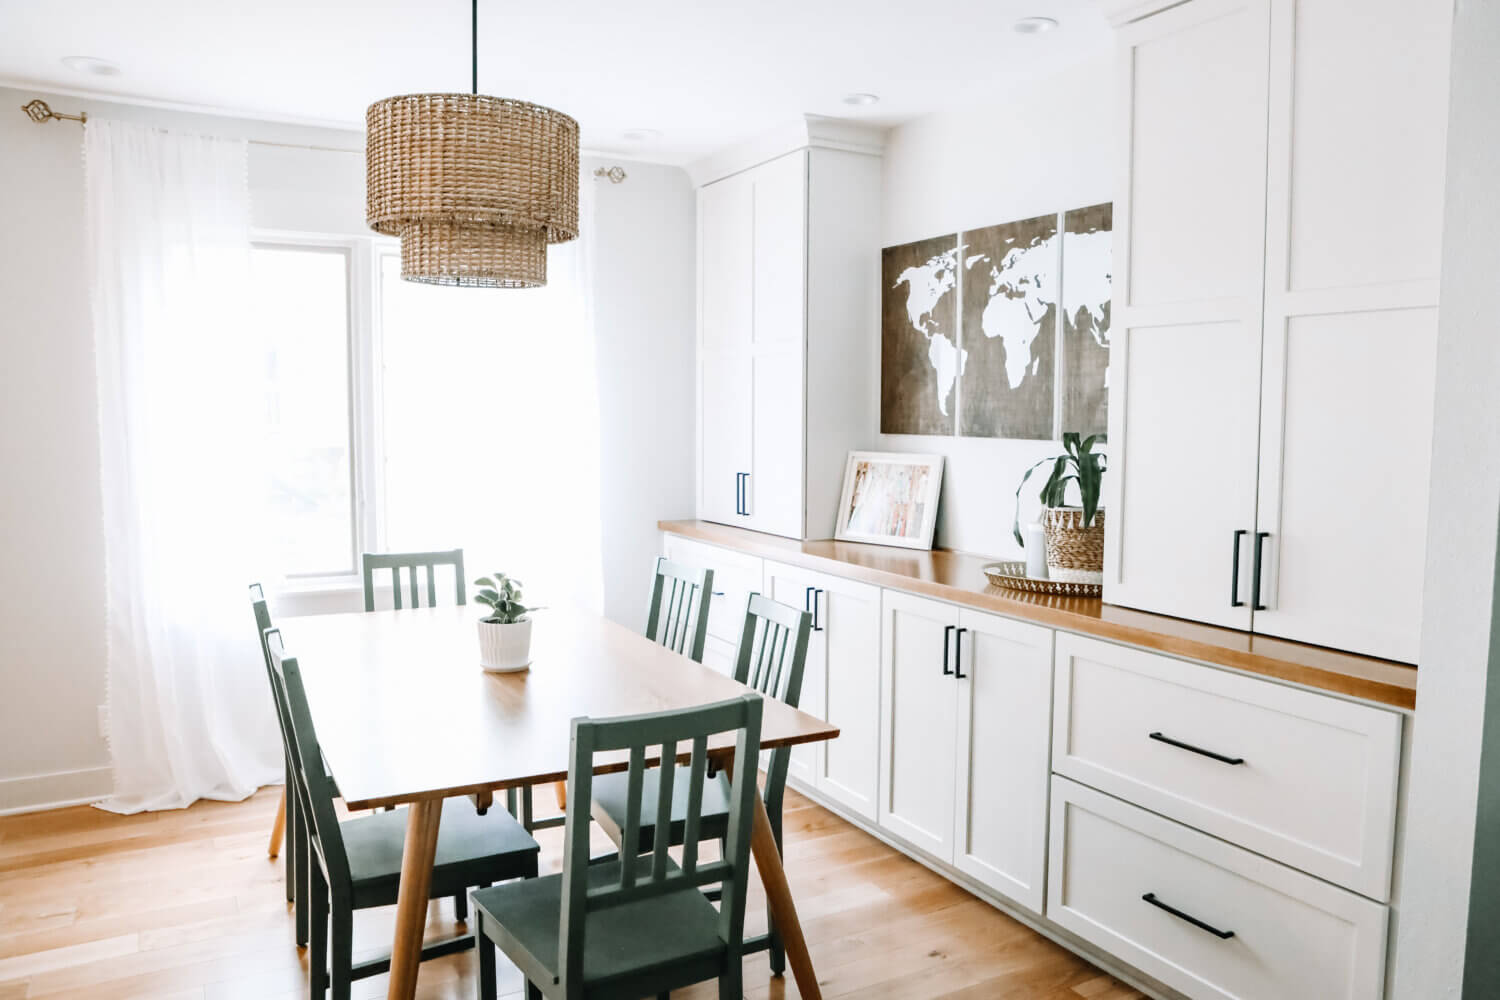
<point x="890" y="498"/>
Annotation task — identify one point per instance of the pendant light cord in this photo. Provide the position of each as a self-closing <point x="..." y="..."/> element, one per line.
<point x="474" y="43"/>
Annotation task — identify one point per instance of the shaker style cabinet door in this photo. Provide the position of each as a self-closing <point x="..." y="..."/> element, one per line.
<point x="1185" y="355"/>
<point x="794" y="587"/>
<point x="725" y="231"/>
<point x="1354" y="230"/>
<point x="1001" y="781"/>
<point x="918" y="715"/>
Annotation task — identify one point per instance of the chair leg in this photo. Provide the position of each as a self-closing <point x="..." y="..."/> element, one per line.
<point x="317" y="952"/>
<point x="342" y="949"/>
<point x="461" y="907"/>
<point x="487" y="988"/>
<point x="731" y="983"/>
<point x="305" y="863"/>
<point x="278" y="828"/>
<point x="777" y="952"/>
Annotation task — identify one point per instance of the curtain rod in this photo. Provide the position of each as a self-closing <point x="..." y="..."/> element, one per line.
<point x="39" y="112"/>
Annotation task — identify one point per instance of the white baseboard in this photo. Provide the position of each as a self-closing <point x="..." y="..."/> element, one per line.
<point x="37" y="792"/>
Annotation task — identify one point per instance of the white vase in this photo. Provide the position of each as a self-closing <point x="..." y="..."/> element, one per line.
<point x="504" y="649"/>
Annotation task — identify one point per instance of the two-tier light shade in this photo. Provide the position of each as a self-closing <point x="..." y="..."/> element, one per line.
<point x="476" y="187"/>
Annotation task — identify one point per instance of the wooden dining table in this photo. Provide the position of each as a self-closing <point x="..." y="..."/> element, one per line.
<point x="405" y="716"/>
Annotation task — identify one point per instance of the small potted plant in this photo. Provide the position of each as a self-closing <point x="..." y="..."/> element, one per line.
<point x="504" y="633"/>
<point x="1075" y="535"/>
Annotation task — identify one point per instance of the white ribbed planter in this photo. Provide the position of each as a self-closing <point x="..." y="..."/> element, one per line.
<point x="504" y="649"/>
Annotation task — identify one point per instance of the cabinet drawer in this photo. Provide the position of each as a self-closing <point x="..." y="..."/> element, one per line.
<point x="736" y="576"/>
<point x="1265" y="932"/>
<point x="1300" y="777"/>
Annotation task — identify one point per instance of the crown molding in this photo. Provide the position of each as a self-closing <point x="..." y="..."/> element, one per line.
<point x="809" y="132"/>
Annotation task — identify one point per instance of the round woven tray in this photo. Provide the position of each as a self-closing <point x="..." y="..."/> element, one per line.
<point x="1013" y="575"/>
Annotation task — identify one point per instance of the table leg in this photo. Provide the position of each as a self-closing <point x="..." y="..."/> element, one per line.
<point x="278" y="829"/>
<point x="417" y="855"/>
<point x="779" y="902"/>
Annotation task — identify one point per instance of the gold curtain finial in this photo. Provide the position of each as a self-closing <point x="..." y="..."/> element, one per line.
<point x="39" y="112"/>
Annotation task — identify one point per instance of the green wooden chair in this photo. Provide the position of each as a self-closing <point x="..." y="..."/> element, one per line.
<point x="637" y="924"/>
<point x="370" y="562"/>
<point x="356" y="864"/>
<point x="678" y="615"/>
<point x="292" y="850"/>
<point x="772" y="655"/>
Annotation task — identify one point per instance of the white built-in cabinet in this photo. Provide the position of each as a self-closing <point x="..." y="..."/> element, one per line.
<point x="1277" y="232"/>
<point x="788" y="276"/>
<point x="840" y="682"/>
<point x="964" y="740"/>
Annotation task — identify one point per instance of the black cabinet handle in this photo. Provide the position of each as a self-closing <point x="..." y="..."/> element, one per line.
<point x="817" y="593"/>
<point x="958" y="654"/>
<point x="807" y="600"/>
<point x="1255" y="605"/>
<point x="1158" y="737"/>
<point x="1150" y="897"/>
<point x="739" y="493"/>
<point x="947" y="644"/>
<point x="1234" y="572"/>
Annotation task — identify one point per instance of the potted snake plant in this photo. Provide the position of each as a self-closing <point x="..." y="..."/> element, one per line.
<point x="504" y="633"/>
<point x="1075" y="535"/>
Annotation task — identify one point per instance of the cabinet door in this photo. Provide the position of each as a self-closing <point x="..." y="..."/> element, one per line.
<point x="725" y="405"/>
<point x="848" y="623"/>
<point x="778" y="296"/>
<point x="1352" y="261"/>
<point x="919" y="698"/>
<point x="794" y="587"/>
<point x="1004" y="710"/>
<point x="1185" y="356"/>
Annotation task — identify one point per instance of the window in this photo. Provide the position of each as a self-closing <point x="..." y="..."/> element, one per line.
<point x="411" y="417"/>
<point x="302" y="310"/>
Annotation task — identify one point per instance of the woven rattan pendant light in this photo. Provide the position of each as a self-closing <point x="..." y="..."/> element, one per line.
<point x="476" y="187"/>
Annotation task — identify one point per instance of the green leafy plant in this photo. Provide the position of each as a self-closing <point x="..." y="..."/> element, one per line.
<point x="1079" y="463"/>
<point x="503" y="595"/>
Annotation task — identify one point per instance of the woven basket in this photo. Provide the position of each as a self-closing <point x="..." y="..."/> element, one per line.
<point x="1075" y="554"/>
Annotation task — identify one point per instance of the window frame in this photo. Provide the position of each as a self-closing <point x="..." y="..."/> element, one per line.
<point x="362" y="256"/>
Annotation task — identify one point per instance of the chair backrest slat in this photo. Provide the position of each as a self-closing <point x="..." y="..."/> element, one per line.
<point x="697" y="768"/>
<point x="646" y="875"/>
<point x="678" y="614"/>
<point x="395" y="562"/>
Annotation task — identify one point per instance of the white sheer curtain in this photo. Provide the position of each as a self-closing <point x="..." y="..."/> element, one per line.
<point x="490" y="424"/>
<point x="179" y="429"/>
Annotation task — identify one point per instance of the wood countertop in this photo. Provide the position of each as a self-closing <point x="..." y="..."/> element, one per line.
<point x="958" y="577"/>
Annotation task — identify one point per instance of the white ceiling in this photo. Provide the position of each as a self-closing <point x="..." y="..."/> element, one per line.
<point x="705" y="74"/>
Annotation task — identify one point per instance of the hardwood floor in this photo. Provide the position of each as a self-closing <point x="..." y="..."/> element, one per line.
<point x="187" y="906"/>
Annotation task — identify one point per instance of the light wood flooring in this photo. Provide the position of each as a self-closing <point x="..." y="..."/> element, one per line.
<point x="187" y="906"/>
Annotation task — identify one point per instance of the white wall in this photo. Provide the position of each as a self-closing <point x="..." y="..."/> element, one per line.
<point x="644" y="313"/>
<point x="51" y="553"/>
<point x="1046" y="146"/>
<point x="1458" y="655"/>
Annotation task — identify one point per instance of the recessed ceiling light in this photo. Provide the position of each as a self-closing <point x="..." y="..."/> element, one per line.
<point x="861" y="100"/>
<point x="639" y="134"/>
<point x="91" y="66"/>
<point x="1034" y="25"/>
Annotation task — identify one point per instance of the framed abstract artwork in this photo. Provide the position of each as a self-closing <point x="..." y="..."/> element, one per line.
<point x="890" y="499"/>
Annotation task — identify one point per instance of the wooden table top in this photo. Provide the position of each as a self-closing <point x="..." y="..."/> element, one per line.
<point x="959" y="577"/>
<point x="404" y="712"/>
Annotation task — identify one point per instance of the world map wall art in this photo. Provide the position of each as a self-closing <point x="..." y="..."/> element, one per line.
<point x="999" y="332"/>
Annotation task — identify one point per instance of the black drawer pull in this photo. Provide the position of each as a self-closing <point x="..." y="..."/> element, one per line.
<point x="1150" y="897"/>
<point x="1158" y="737"/>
